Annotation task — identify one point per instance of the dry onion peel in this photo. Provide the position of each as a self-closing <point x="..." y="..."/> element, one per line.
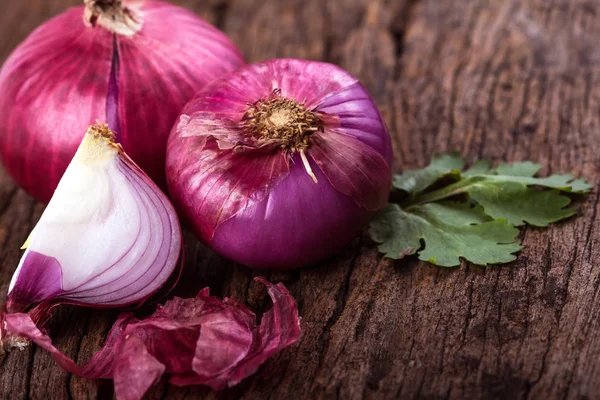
<point x="201" y="340"/>
<point x="109" y="236"/>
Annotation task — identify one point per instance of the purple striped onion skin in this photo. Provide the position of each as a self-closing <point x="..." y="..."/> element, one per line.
<point x="255" y="203"/>
<point x="66" y="75"/>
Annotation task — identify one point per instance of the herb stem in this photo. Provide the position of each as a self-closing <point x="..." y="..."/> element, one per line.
<point x="445" y="192"/>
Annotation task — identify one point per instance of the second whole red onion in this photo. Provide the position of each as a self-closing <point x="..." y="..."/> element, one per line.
<point x="133" y="64"/>
<point x="280" y="164"/>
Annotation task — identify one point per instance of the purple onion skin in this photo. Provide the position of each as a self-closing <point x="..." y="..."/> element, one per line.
<point x="304" y="225"/>
<point x="295" y="222"/>
<point x="197" y="341"/>
<point x="65" y="76"/>
<point x="41" y="279"/>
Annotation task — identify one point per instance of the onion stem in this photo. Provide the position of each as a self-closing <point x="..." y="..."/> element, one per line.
<point x="307" y="166"/>
<point x="112" y="15"/>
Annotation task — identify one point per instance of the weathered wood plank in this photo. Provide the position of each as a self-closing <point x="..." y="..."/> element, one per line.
<point x="507" y="79"/>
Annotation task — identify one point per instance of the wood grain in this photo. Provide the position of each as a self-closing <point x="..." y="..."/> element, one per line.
<point x="510" y="80"/>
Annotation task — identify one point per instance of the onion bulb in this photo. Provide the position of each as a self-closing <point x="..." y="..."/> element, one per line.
<point x="109" y="236"/>
<point x="280" y="164"/>
<point x="133" y="64"/>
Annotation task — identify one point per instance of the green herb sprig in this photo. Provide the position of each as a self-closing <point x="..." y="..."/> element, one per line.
<point x="447" y="213"/>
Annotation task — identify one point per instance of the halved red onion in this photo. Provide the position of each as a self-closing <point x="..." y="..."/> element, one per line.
<point x="243" y="159"/>
<point x="109" y="236"/>
<point x="202" y="340"/>
<point x="133" y="64"/>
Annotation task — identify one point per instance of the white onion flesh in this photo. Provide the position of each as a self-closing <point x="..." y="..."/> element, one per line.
<point x="114" y="233"/>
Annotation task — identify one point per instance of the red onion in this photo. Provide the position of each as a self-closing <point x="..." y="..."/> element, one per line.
<point x="132" y="65"/>
<point x="198" y="341"/>
<point x="280" y="164"/>
<point x="109" y="236"/>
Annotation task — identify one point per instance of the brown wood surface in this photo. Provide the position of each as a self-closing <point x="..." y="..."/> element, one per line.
<point x="510" y="80"/>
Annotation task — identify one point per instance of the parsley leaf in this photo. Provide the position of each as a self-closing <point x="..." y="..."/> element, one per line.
<point x="519" y="204"/>
<point x="450" y="231"/>
<point x="480" y="227"/>
<point x="506" y="192"/>
<point x="415" y="181"/>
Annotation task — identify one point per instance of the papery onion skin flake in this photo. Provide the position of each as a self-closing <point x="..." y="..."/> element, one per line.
<point x="74" y="69"/>
<point x="108" y="238"/>
<point x="280" y="164"/>
<point x="198" y="341"/>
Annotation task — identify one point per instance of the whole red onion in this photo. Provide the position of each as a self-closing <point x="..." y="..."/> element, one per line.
<point x="132" y="64"/>
<point x="280" y="164"/>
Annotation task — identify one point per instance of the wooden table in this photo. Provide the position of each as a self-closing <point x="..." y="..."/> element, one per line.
<point x="510" y="80"/>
